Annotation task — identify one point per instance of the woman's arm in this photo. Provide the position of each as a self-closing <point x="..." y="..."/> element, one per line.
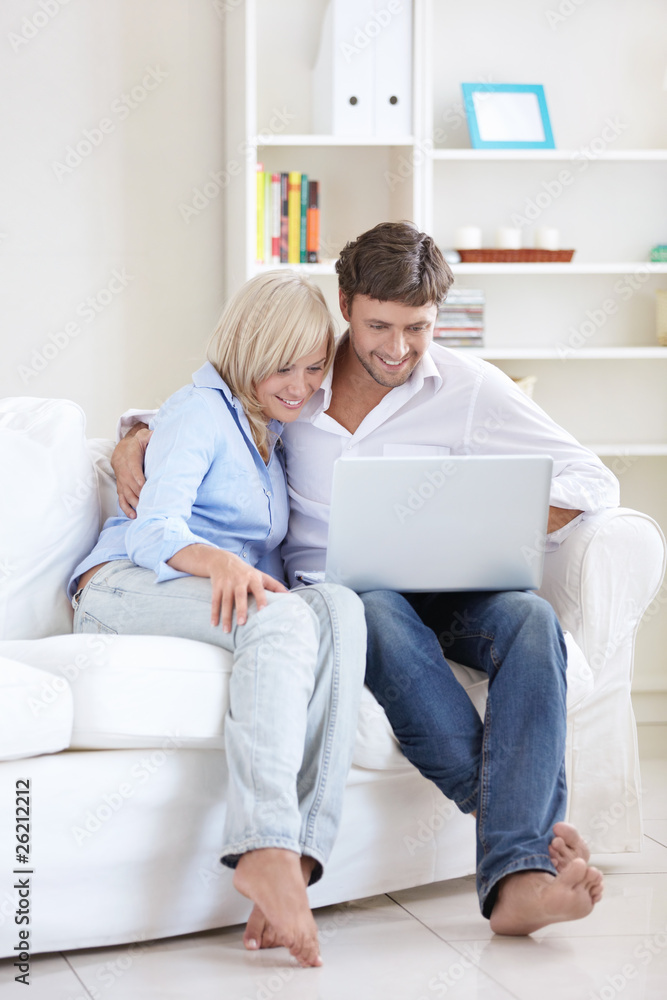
<point x="231" y="581"/>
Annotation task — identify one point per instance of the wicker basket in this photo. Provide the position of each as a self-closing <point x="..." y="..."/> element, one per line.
<point x="489" y="255"/>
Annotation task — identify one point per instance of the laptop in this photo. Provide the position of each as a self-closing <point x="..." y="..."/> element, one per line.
<point x="432" y="524"/>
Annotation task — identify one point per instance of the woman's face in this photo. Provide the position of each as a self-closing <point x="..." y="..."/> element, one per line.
<point x="283" y="395"/>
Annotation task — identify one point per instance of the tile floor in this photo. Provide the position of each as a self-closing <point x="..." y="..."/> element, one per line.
<point x="419" y="944"/>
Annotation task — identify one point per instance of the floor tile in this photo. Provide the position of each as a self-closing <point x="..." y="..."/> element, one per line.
<point x="656" y="829"/>
<point x="654" y="789"/>
<point x="632" y="904"/>
<point x="372" y="949"/>
<point x="634" y="968"/>
<point x="652" y="858"/>
<point x="51" y="978"/>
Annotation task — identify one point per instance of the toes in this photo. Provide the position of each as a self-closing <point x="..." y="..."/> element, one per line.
<point x="254" y="932"/>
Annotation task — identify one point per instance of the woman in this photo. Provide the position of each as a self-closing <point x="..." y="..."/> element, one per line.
<point x="201" y="560"/>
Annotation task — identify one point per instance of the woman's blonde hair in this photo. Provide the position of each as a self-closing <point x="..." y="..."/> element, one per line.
<point x="272" y="321"/>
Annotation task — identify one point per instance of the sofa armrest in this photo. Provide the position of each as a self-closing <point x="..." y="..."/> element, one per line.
<point x="602" y="579"/>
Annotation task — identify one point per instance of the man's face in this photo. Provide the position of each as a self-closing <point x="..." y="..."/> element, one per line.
<point x="388" y="338"/>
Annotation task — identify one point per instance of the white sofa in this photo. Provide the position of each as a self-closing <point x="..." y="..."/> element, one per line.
<point x="121" y="736"/>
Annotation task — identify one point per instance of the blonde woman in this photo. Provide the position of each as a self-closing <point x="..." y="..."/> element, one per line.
<point x="201" y="560"/>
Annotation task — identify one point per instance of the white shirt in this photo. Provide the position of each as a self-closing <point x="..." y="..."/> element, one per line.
<point x="451" y="404"/>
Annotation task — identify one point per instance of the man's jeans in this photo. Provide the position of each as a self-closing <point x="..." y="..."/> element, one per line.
<point x="294" y="696"/>
<point x="510" y="768"/>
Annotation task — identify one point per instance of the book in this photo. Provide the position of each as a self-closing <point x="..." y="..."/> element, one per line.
<point x="303" y="219"/>
<point x="460" y="319"/>
<point x="275" y="218"/>
<point x="293" y="217"/>
<point x="267" y="217"/>
<point x="313" y="223"/>
<point x="284" y="229"/>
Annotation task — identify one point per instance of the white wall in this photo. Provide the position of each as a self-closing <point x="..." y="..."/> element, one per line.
<point x="66" y="231"/>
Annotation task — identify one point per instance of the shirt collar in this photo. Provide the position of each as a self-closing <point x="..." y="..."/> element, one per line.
<point x="208" y="377"/>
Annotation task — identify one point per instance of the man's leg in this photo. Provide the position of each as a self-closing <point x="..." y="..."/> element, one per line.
<point x="516" y="758"/>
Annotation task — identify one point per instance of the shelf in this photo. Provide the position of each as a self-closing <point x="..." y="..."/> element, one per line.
<point x="613" y="267"/>
<point x="324" y="267"/>
<point x="565" y="353"/>
<point x="629" y="450"/>
<point x="331" y="140"/>
<point x="549" y="154"/>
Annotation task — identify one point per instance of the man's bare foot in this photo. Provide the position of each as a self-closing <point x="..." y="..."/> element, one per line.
<point x="567" y="845"/>
<point x="273" y="879"/>
<point x="259" y="933"/>
<point x="529" y="900"/>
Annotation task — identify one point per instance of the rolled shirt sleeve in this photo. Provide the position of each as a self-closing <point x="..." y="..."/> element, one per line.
<point x="178" y="458"/>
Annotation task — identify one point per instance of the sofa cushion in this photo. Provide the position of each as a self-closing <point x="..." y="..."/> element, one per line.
<point x="140" y="691"/>
<point x="31" y="724"/>
<point x="49" y="513"/>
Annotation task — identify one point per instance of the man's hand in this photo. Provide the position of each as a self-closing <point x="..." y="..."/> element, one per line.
<point x="559" y="517"/>
<point x="127" y="461"/>
<point x="231" y="581"/>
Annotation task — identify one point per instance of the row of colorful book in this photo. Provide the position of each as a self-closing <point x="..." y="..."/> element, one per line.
<point x="460" y="321"/>
<point x="288" y="218"/>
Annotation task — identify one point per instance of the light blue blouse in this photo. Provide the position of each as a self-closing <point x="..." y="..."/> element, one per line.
<point x="205" y="482"/>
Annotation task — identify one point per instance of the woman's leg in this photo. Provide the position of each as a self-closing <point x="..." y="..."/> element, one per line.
<point x="287" y="692"/>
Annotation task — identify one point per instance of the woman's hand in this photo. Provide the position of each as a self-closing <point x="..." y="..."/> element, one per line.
<point x="127" y="461"/>
<point x="231" y="581"/>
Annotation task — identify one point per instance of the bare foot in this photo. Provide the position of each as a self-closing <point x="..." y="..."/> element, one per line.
<point x="259" y="933"/>
<point x="567" y="845"/>
<point x="532" y="899"/>
<point x="273" y="879"/>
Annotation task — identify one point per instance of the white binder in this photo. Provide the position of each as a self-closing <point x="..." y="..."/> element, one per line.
<point x="362" y="79"/>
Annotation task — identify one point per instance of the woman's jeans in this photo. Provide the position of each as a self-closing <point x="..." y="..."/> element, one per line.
<point x="509" y="768"/>
<point x="294" y="696"/>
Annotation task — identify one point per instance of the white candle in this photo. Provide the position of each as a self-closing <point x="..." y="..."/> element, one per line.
<point x="508" y="238"/>
<point x="547" y="238"/>
<point x="468" y="238"/>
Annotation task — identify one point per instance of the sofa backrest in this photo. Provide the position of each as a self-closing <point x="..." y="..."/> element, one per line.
<point x="49" y="513"/>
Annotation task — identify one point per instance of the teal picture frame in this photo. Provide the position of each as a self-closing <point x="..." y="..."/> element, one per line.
<point x="478" y="129"/>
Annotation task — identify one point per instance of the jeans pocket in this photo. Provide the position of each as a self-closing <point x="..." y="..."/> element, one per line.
<point x="87" y="623"/>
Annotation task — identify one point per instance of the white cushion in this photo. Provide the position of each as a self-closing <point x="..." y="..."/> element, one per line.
<point x="36" y="711"/>
<point x="49" y="513"/>
<point x="138" y="691"/>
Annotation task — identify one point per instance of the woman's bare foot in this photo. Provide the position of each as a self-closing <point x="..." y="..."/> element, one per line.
<point x="567" y="845"/>
<point x="273" y="879"/>
<point x="259" y="933"/>
<point x="529" y="900"/>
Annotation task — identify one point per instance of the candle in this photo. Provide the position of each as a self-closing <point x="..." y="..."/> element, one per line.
<point x="547" y="238"/>
<point x="468" y="238"/>
<point x="508" y="238"/>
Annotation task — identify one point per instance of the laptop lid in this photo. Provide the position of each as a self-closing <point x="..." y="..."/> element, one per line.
<point x="445" y="523"/>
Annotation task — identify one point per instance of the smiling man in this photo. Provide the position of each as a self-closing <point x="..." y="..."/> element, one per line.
<point x="393" y="392"/>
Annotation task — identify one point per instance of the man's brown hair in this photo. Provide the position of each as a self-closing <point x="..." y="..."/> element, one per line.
<point x="394" y="262"/>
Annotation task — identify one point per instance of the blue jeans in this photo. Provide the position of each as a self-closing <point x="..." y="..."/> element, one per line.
<point x="509" y="768"/>
<point x="294" y="696"/>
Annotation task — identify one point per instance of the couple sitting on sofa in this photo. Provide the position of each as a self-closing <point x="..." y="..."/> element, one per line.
<point x="207" y="530"/>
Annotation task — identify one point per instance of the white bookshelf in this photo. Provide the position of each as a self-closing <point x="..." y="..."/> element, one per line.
<point x="605" y="382"/>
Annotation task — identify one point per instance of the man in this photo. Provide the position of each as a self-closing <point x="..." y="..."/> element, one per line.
<point x="392" y="391"/>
